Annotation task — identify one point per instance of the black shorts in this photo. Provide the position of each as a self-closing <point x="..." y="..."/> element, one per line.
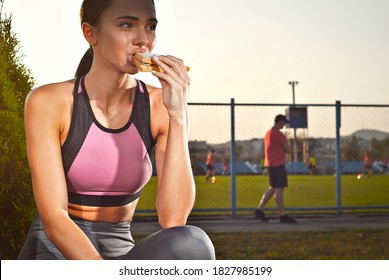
<point x="209" y="167"/>
<point x="277" y="176"/>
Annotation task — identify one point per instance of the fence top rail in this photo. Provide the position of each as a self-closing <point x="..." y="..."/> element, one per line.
<point x="366" y="105"/>
<point x="288" y="104"/>
<point x="285" y="104"/>
<point x="209" y="104"/>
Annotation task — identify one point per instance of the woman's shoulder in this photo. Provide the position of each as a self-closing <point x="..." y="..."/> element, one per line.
<point x="52" y="102"/>
<point x="54" y="88"/>
<point x="52" y="94"/>
<point x="153" y="90"/>
<point x="158" y="112"/>
<point x="155" y="95"/>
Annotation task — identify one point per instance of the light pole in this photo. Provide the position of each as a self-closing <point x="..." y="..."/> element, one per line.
<point x="295" y="155"/>
<point x="293" y="83"/>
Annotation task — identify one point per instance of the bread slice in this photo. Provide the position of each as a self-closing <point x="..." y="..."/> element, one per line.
<point x="145" y="63"/>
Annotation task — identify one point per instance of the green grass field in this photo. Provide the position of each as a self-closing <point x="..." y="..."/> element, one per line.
<point x="311" y="192"/>
<point x="303" y="192"/>
<point x="322" y="245"/>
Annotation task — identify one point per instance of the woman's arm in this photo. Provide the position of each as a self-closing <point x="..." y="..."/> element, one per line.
<point x="176" y="188"/>
<point x="43" y="131"/>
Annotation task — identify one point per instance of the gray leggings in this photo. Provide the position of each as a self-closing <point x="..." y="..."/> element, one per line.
<point x="114" y="241"/>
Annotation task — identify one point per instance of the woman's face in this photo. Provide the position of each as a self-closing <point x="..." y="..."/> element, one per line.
<point x="126" y="27"/>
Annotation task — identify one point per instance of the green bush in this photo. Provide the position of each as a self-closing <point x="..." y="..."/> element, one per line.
<point x="17" y="207"/>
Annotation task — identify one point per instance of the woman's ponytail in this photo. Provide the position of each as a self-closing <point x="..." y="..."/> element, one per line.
<point x="85" y="63"/>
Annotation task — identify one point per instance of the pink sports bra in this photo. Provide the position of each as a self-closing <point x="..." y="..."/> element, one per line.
<point x="107" y="167"/>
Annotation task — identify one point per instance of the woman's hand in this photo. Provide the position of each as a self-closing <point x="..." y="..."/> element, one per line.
<point x="175" y="83"/>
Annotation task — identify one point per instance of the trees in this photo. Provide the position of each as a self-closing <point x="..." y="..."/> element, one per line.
<point x="380" y="148"/>
<point x="17" y="207"/>
<point x="351" y="150"/>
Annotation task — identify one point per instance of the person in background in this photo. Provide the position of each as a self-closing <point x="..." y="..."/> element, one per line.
<point x="89" y="141"/>
<point x="225" y="166"/>
<point x="367" y="168"/>
<point x="312" y="164"/>
<point x="276" y="146"/>
<point x="210" y="165"/>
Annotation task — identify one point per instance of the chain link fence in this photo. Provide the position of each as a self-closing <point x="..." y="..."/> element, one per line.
<point x="315" y="187"/>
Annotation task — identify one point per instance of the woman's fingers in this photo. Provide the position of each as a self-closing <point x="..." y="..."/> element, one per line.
<point x="175" y="83"/>
<point x="173" y="67"/>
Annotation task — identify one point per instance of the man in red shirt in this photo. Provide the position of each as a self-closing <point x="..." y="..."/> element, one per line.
<point x="276" y="147"/>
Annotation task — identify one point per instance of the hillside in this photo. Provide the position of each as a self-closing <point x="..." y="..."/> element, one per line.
<point x="368" y="134"/>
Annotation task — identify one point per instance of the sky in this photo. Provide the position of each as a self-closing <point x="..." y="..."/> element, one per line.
<point x="248" y="50"/>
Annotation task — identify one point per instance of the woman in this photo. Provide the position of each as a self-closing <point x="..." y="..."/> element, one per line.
<point x="88" y="144"/>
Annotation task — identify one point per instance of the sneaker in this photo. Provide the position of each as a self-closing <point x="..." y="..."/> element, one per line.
<point x="260" y="215"/>
<point x="286" y="219"/>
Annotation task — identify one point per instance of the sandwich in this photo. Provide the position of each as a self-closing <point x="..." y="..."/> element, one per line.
<point x="145" y="63"/>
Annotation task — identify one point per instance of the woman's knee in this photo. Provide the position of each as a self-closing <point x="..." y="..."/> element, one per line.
<point x="176" y="243"/>
<point x="193" y="241"/>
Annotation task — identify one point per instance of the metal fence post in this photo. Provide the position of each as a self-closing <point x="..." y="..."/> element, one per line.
<point x="233" y="176"/>
<point x="338" y="161"/>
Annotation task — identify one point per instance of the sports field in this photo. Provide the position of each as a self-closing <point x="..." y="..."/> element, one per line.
<point x="361" y="244"/>
<point x="304" y="192"/>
